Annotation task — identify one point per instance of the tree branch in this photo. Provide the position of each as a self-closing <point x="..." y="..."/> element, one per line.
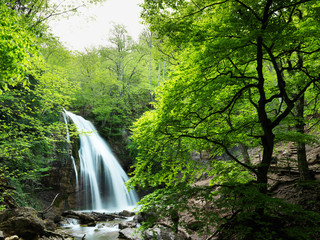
<point x="200" y="10"/>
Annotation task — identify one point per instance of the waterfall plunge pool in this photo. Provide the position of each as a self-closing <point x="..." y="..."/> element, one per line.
<point x="104" y="230"/>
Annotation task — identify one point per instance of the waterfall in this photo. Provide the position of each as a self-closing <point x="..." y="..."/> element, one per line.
<point x="101" y="178"/>
<point x="68" y="140"/>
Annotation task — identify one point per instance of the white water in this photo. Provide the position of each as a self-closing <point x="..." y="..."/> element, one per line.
<point x="101" y="179"/>
<point x="68" y="139"/>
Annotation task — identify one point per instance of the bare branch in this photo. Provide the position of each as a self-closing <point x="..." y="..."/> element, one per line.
<point x="200" y="10"/>
<point x="250" y="9"/>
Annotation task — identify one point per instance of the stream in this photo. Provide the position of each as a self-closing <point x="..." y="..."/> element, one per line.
<point x="105" y="230"/>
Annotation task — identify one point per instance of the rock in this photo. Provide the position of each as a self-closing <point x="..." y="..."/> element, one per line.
<point x="57" y="219"/>
<point x="105" y="216"/>
<point x="84" y="218"/>
<point x="100" y="226"/>
<point x="1" y="235"/>
<point x="143" y="217"/>
<point x="130" y="224"/>
<point x="126" y="213"/>
<point x="163" y="233"/>
<point x="152" y="233"/>
<point x="14" y="237"/>
<point x="48" y="235"/>
<point x="130" y="234"/>
<point x="195" y="225"/>
<point x="22" y="222"/>
<point x="50" y="225"/>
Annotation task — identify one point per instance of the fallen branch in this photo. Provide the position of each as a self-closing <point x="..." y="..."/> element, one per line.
<point x="48" y="208"/>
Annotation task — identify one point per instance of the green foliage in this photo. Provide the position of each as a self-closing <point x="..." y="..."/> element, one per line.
<point x="33" y="93"/>
<point x="238" y="211"/>
<point x="259" y="216"/>
<point x="241" y="69"/>
<point x="16" y="47"/>
<point x="114" y="82"/>
<point x="234" y="83"/>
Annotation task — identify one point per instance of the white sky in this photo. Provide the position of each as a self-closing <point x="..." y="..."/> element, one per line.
<point x="91" y="26"/>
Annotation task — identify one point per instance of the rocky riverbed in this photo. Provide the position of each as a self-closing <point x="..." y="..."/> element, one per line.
<point x="25" y="224"/>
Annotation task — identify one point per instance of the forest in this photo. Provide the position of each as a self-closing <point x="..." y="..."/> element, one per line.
<point x="203" y="109"/>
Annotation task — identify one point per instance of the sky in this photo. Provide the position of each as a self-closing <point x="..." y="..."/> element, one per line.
<point x="91" y="25"/>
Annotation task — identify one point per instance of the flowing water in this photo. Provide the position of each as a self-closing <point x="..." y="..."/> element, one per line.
<point x="100" y="180"/>
<point x="102" y="231"/>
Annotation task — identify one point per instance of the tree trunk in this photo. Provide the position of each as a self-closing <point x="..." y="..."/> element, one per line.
<point x="150" y="69"/>
<point x="245" y="154"/>
<point x="267" y="139"/>
<point x="163" y="70"/>
<point x="159" y="72"/>
<point x="268" y="145"/>
<point x="301" y="151"/>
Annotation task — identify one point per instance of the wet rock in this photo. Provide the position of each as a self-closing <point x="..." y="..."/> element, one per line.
<point x="14" y="237"/>
<point x="130" y="224"/>
<point x="126" y="213"/>
<point x="84" y="218"/>
<point x="100" y="226"/>
<point x="130" y="234"/>
<point x="48" y="235"/>
<point x="105" y="216"/>
<point x="22" y="222"/>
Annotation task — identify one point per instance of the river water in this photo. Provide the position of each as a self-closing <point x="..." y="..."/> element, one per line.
<point x="102" y="231"/>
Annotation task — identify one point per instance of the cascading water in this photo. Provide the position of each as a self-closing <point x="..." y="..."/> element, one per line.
<point x="101" y="179"/>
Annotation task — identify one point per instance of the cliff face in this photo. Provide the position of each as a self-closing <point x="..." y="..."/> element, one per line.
<point x="61" y="179"/>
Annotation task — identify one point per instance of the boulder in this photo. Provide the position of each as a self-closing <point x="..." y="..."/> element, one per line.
<point x="22" y="222"/>
<point x="106" y="216"/>
<point x="130" y="234"/>
<point x="163" y="233"/>
<point x="126" y="213"/>
<point x="143" y="216"/>
<point x="84" y="218"/>
<point x="50" y="225"/>
<point x="14" y="237"/>
<point x="129" y="224"/>
<point x="152" y="233"/>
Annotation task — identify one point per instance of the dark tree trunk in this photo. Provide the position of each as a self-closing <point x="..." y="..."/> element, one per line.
<point x="301" y="151"/>
<point x="268" y="145"/>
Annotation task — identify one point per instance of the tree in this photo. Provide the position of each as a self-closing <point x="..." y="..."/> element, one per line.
<point x="126" y="63"/>
<point x="222" y="91"/>
<point x="17" y="47"/>
<point x="32" y="94"/>
<point x="36" y="12"/>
